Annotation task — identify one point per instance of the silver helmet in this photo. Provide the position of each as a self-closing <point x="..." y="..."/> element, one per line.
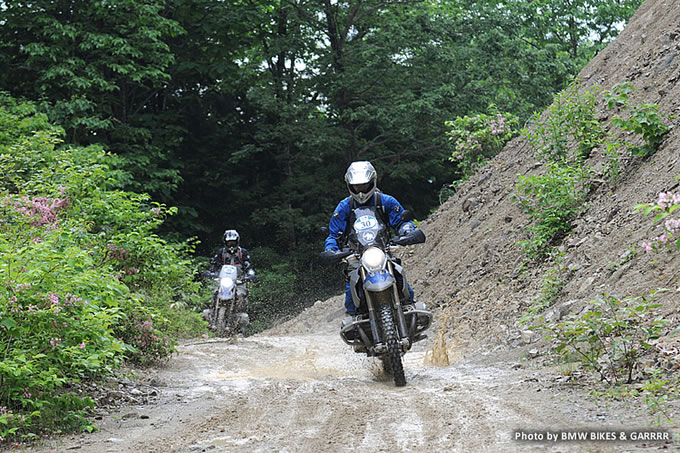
<point x="231" y="240"/>
<point x="362" y="180"/>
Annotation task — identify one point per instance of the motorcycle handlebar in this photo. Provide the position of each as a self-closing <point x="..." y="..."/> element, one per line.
<point x="414" y="237"/>
<point x="333" y="256"/>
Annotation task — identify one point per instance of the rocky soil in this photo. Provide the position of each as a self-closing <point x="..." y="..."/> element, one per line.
<point x="472" y="267"/>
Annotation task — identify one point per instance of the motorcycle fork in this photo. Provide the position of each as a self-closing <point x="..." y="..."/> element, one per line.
<point x="371" y="311"/>
<point x="401" y="319"/>
<point x="230" y="312"/>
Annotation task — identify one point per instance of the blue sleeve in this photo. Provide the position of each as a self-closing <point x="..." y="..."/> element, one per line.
<point x="337" y="225"/>
<point x="394" y="209"/>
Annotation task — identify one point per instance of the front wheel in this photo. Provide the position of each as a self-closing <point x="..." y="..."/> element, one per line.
<point x="221" y="324"/>
<point x="393" y="359"/>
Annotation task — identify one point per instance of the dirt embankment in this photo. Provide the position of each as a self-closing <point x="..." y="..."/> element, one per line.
<point x="472" y="266"/>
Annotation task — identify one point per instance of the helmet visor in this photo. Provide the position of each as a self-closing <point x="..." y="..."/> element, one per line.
<point x="231" y="244"/>
<point x="361" y="188"/>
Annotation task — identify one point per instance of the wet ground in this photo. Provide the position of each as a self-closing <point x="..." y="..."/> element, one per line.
<point x="301" y="389"/>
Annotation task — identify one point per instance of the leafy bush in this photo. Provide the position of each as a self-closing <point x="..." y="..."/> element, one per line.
<point x="552" y="201"/>
<point x="84" y="281"/>
<point x="667" y="203"/>
<point x="478" y="138"/>
<point x="643" y="119"/>
<point x="611" y="337"/>
<point x="570" y="124"/>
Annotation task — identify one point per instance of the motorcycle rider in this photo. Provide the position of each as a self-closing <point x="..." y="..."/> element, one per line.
<point x="361" y="179"/>
<point x="232" y="253"/>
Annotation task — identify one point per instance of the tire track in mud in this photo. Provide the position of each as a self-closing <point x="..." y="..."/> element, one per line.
<point x="294" y="390"/>
<point x="311" y="393"/>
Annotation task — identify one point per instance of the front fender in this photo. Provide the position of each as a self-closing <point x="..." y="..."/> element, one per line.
<point x="378" y="281"/>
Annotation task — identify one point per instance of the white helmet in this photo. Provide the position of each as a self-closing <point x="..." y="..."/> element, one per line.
<point x="231" y="240"/>
<point x="361" y="180"/>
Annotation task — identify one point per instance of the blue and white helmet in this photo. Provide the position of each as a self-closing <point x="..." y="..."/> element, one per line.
<point x="362" y="180"/>
<point x="231" y="240"/>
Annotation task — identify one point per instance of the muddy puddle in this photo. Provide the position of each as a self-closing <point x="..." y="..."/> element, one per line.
<point x="302" y="392"/>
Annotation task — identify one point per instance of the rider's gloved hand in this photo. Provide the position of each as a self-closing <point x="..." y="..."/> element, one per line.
<point x="406" y="228"/>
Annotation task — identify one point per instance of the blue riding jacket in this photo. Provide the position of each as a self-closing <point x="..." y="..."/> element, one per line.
<point x="342" y="212"/>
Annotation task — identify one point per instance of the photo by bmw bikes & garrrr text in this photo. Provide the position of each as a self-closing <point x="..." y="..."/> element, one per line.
<point x="386" y="325"/>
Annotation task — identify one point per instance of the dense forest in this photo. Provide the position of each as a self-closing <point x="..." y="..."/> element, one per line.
<point x="151" y="126"/>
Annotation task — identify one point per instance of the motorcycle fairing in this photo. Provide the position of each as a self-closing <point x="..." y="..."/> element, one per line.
<point x="366" y="229"/>
<point x="227" y="278"/>
<point x="377" y="281"/>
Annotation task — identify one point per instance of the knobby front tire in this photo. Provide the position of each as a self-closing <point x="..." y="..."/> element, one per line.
<point x="393" y="348"/>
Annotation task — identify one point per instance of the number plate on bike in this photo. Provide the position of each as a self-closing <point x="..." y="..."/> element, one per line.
<point x="365" y="222"/>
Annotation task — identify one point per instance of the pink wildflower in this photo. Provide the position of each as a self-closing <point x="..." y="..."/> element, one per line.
<point x="672" y="225"/>
<point x="82" y="345"/>
<point x="663" y="238"/>
<point x="665" y="199"/>
<point x="21" y="287"/>
<point x="647" y="246"/>
<point x="54" y="299"/>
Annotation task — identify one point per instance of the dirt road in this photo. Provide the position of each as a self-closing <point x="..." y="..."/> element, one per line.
<point x="298" y="388"/>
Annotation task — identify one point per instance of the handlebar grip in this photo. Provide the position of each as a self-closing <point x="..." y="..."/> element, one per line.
<point x="333" y="256"/>
<point x="414" y="237"/>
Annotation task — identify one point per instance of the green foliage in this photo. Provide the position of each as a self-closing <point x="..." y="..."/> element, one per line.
<point x="478" y="138"/>
<point x="565" y="137"/>
<point x="550" y="290"/>
<point x="254" y="109"/>
<point x="570" y="129"/>
<point x="643" y="119"/>
<point x="84" y="281"/>
<point x="580" y="28"/>
<point x="97" y="69"/>
<point x="611" y="337"/>
<point x="551" y="200"/>
<point x="658" y="393"/>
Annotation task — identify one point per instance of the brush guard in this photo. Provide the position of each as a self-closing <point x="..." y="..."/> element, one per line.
<point x="358" y="333"/>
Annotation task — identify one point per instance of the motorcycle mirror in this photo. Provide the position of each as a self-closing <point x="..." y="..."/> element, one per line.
<point x="323" y="230"/>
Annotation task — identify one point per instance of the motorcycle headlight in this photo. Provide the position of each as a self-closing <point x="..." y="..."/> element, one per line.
<point x="374" y="259"/>
<point x="226" y="282"/>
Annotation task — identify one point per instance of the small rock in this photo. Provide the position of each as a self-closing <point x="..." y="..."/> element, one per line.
<point x="470" y="204"/>
<point x="528" y="336"/>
